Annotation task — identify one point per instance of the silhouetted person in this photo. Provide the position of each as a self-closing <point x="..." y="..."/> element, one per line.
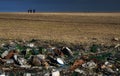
<point x="30" y="11"/>
<point x="33" y="10"/>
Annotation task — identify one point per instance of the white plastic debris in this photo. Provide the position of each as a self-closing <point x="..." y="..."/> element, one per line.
<point x="28" y="50"/>
<point x="51" y="49"/>
<point x="47" y="74"/>
<point x="106" y="63"/>
<point x="55" y="73"/>
<point x="117" y="45"/>
<point x="3" y="44"/>
<point x="15" y="57"/>
<point x="25" y="66"/>
<point x="22" y="61"/>
<point x="116" y="39"/>
<point x="117" y="69"/>
<point x="5" y="53"/>
<point x="31" y="45"/>
<point x="27" y="74"/>
<point x="79" y="71"/>
<point x="89" y="65"/>
<point x="84" y="65"/>
<point x="40" y="56"/>
<point x="110" y="70"/>
<point x="60" y="61"/>
<point x="100" y="74"/>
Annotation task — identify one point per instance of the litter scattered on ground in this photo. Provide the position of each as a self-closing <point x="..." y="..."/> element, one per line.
<point x="28" y="58"/>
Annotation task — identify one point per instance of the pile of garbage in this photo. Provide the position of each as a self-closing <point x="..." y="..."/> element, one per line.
<point x="28" y="58"/>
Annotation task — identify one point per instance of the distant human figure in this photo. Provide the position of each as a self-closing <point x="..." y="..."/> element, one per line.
<point x="33" y="10"/>
<point x="30" y="11"/>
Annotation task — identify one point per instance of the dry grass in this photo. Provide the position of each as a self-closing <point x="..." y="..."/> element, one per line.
<point x="69" y="27"/>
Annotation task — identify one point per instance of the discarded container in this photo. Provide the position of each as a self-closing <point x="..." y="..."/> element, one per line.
<point x="67" y="51"/>
<point x="52" y="61"/>
<point x="60" y="61"/>
<point x="57" y="52"/>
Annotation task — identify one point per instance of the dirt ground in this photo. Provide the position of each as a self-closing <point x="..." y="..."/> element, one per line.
<point x="61" y="27"/>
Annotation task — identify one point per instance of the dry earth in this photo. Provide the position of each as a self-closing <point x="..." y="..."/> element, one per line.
<point x="61" y="27"/>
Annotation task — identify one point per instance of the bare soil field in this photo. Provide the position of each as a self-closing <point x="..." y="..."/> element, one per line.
<point x="61" y="27"/>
